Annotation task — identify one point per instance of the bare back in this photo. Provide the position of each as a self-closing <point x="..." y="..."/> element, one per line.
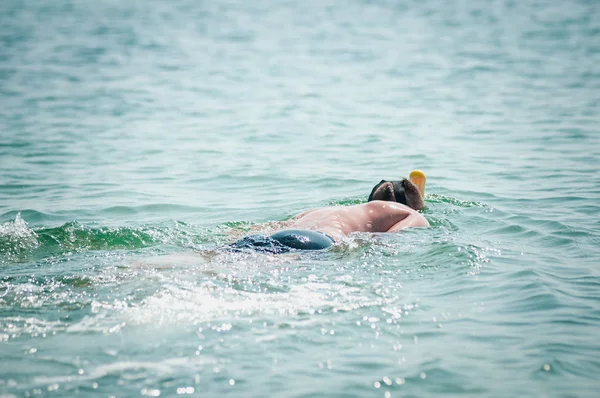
<point x="374" y="216"/>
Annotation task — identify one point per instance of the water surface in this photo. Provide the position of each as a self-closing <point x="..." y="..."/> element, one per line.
<point x="137" y="137"/>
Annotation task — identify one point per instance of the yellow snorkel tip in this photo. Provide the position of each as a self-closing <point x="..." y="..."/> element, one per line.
<point x="418" y="178"/>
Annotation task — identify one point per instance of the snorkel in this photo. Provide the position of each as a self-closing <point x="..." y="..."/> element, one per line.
<point x="418" y="178"/>
<point x="409" y="192"/>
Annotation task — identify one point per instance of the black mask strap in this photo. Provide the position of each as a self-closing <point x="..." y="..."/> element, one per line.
<point x="399" y="191"/>
<point x="397" y="194"/>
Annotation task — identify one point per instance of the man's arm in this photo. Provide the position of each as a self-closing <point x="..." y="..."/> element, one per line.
<point x="414" y="219"/>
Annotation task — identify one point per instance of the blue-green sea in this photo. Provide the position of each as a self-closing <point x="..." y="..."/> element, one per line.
<point x="139" y="137"/>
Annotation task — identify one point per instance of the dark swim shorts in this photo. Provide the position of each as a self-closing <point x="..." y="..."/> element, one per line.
<point x="285" y="241"/>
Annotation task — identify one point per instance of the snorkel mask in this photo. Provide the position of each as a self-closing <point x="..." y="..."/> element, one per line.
<point x="408" y="192"/>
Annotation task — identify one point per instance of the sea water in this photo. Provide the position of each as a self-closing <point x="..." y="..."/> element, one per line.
<point x="138" y="137"/>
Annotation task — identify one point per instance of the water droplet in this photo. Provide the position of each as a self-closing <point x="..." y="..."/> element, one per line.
<point x="185" y="390"/>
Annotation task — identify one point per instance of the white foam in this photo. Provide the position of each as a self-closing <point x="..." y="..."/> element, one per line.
<point x="17" y="231"/>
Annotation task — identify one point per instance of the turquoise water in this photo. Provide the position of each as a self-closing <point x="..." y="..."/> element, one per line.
<point x="136" y="137"/>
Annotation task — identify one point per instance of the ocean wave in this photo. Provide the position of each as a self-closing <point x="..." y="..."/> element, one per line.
<point x="21" y="243"/>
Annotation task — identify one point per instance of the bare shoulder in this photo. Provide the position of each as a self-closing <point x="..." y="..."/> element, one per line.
<point x="397" y="215"/>
<point x="387" y="208"/>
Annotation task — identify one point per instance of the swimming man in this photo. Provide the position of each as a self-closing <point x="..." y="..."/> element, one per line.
<point x="392" y="206"/>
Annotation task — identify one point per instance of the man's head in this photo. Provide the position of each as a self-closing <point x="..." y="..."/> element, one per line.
<point x="404" y="192"/>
